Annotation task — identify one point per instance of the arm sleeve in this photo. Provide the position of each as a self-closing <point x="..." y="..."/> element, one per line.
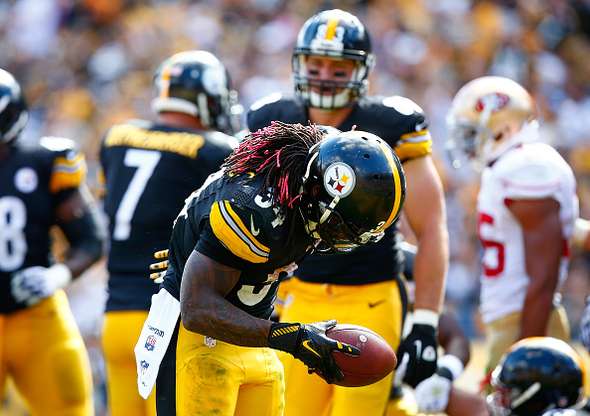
<point x="531" y="181"/>
<point x="226" y="238"/>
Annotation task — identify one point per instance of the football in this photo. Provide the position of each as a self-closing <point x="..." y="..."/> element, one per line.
<point x="376" y="361"/>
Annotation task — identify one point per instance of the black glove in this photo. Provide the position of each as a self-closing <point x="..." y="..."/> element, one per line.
<point x="417" y="353"/>
<point x="309" y="343"/>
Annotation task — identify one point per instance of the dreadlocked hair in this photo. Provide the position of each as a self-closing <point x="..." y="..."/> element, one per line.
<point x="278" y="152"/>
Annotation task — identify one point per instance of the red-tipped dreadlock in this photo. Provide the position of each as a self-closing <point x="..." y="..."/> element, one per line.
<point x="278" y="152"/>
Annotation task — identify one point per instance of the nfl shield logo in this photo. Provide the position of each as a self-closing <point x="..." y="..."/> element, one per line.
<point x="150" y="343"/>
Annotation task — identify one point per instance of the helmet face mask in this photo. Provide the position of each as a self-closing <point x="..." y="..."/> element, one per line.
<point x="353" y="190"/>
<point x="196" y="83"/>
<point x="332" y="34"/>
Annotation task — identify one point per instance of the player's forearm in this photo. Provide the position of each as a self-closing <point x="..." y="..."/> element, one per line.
<point x="536" y="312"/>
<point x="217" y="318"/>
<point x="430" y="267"/>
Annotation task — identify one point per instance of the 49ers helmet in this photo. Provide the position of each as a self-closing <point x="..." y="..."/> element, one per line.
<point x="196" y="83"/>
<point x="480" y="112"/>
<point x="335" y="34"/>
<point x="535" y="375"/>
<point x="13" y="109"/>
<point x="353" y="189"/>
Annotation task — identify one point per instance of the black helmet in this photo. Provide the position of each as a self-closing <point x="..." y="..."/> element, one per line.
<point x="566" y="412"/>
<point x="13" y="109"/>
<point x="337" y="34"/>
<point x="535" y="375"/>
<point x="353" y="189"/>
<point x="196" y="83"/>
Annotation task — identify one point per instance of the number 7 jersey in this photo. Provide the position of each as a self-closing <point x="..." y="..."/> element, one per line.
<point x="530" y="171"/>
<point x="148" y="171"/>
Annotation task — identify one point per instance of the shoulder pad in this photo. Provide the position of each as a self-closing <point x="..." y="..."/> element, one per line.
<point x="524" y="176"/>
<point x="402" y="105"/>
<point x="57" y="144"/>
<point x="269" y="99"/>
<point x="238" y="230"/>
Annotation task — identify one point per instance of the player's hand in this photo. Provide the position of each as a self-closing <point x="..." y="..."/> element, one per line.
<point x="158" y="269"/>
<point x="418" y="351"/>
<point x="432" y="394"/>
<point x="31" y="285"/>
<point x="310" y="344"/>
<point x="585" y="325"/>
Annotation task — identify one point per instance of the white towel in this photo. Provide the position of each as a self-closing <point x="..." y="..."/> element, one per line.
<point x="154" y="339"/>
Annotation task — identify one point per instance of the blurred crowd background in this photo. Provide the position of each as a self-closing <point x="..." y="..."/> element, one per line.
<point x="86" y="64"/>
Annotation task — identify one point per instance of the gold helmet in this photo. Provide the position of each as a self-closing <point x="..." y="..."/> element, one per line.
<point x="485" y="116"/>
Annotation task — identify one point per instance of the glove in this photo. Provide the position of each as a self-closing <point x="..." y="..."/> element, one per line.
<point x="31" y="285"/>
<point x="310" y="344"/>
<point x="585" y="325"/>
<point x="159" y="268"/>
<point x="418" y="351"/>
<point x="432" y="394"/>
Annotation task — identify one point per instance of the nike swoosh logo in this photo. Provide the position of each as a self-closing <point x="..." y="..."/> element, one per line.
<point x="309" y="348"/>
<point x="253" y="229"/>
<point x="373" y="304"/>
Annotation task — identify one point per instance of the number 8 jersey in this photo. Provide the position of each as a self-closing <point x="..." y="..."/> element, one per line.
<point x="33" y="182"/>
<point x="529" y="171"/>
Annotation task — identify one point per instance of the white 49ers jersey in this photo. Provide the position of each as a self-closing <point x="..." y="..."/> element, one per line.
<point x="530" y="171"/>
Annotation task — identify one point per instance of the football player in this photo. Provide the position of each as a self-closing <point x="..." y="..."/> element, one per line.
<point x="285" y="190"/>
<point x="331" y="63"/>
<point x="40" y="345"/>
<point x="536" y="375"/>
<point x="527" y="207"/>
<point x="150" y="168"/>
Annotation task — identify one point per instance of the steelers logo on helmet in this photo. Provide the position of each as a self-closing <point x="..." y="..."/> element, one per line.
<point x="339" y="179"/>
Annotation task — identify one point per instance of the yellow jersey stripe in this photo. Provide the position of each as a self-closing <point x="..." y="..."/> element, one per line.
<point x="67" y="173"/>
<point x="408" y="150"/>
<point x="238" y="221"/>
<point x="331" y="28"/>
<point x="397" y="183"/>
<point x="415" y="134"/>
<point x="230" y="239"/>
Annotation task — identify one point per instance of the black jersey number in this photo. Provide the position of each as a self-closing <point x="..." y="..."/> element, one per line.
<point x="13" y="242"/>
<point x="145" y="161"/>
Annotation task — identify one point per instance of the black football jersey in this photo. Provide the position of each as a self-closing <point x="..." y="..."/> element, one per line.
<point x="33" y="182"/>
<point x="397" y="120"/>
<point x="148" y="171"/>
<point x="232" y="222"/>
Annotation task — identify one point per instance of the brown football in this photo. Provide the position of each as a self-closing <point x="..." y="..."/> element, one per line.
<point x="376" y="361"/>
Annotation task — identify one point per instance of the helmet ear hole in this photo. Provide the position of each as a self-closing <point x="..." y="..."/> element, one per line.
<point x="366" y="155"/>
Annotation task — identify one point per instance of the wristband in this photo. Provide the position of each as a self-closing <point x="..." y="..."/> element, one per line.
<point x="451" y="363"/>
<point x="60" y="274"/>
<point x="283" y="336"/>
<point x="426" y="317"/>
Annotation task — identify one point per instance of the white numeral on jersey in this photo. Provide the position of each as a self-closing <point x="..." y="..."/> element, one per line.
<point x="145" y="161"/>
<point x="248" y="297"/>
<point x="13" y="243"/>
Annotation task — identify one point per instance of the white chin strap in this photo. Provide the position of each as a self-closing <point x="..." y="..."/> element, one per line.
<point x="178" y="105"/>
<point x="492" y="150"/>
<point x="342" y="99"/>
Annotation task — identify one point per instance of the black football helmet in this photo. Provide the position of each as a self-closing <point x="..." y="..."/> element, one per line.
<point x="197" y="83"/>
<point x="353" y="189"/>
<point x="13" y="109"/>
<point x="336" y="34"/>
<point x="537" y="374"/>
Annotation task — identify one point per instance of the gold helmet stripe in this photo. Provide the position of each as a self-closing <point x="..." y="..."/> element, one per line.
<point x="331" y="28"/>
<point x="397" y="183"/>
<point x="165" y="81"/>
